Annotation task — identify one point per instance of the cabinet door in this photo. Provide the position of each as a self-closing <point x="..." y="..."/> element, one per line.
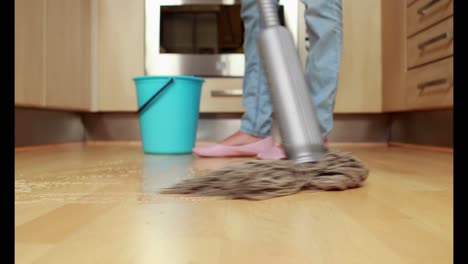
<point x="360" y="80"/>
<point x="29" y="52"/>
<point x="68" y="37"/>
<point x="393" y="55"/>
<point x="121" y="53"/>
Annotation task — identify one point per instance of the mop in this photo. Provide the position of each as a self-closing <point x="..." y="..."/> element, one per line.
<point x="310" y="166"/>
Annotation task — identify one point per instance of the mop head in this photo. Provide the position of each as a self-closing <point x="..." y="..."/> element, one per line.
<point x="263" y="179"/>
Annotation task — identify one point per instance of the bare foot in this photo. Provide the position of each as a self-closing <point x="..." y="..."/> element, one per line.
<point x="239" y="138"/>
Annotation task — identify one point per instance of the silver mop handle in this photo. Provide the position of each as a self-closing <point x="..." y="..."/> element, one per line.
<point x="289" y="93"/>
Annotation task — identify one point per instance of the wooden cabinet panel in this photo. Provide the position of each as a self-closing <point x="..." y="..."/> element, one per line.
<point x="393" y="55"/>
<point x="29" y="52"/>
<point x="360" y="81"/>
<point x="68" y="54"/>
<point x="120" y="53"/>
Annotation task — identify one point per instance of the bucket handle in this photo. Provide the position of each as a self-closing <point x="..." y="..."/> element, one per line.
<point x="145" y="105"/>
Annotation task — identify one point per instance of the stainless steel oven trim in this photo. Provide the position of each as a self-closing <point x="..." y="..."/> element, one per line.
<point x="198" y="2"/>
<point x="229" y="65"/>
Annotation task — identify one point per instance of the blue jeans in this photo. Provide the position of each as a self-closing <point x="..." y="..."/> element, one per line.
<point x="324" y="27"/>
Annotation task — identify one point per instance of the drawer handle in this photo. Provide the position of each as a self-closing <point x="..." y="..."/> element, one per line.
<point x="433" y="40"/>
<point x="226" y="93"/>
<point x="423" y="10"/>
<point x="432" y="83"/>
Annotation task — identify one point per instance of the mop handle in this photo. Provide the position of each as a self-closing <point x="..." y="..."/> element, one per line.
<point x="289" y="91"/>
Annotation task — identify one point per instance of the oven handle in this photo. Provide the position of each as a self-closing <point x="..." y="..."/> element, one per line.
<point x="227" y="93"/>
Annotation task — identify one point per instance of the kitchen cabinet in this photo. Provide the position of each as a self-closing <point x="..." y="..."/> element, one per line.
<point x="120" y="53"/>
<point x="393" y="55"/>
<point x="78" y="54"/>
<point x="93" y="49"/>
<point x="29" y="52"/>
<point x="52" y="54"/>
<point x="430" y="87"/>
<point x="83" y="55"/>
<point x="418" y="58"/>
<point x="68" y="57"/>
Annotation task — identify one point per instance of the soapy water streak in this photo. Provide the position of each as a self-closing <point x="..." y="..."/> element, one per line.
<point x="103" y="198"/>
<point x="85" y="181"/>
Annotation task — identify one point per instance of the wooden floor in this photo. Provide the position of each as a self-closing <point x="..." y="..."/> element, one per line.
<point x="98" y="204"/>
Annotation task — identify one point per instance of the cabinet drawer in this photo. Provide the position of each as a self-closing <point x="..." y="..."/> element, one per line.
<point x="424" y="13"/>
<point x="430" y="86"/>
<point x="432" y="44"/>
<point x="222" y="95"/>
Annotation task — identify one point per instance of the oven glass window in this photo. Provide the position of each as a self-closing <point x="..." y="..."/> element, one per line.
<point x="202" y="29"/>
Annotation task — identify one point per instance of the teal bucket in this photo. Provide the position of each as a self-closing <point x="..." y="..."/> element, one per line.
<point x="168" y="108"/>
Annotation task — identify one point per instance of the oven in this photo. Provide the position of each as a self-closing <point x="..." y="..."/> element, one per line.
<point x="200" y="37"/>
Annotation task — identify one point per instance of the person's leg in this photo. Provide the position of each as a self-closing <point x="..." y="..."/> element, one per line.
<point x="256" y="121"/>
<point x="324" y="27"/>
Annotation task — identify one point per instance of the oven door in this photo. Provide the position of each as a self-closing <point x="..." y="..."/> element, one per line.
<point x="199" y="37"/>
